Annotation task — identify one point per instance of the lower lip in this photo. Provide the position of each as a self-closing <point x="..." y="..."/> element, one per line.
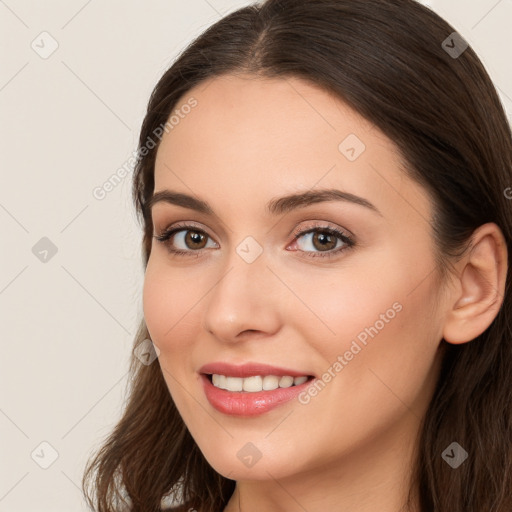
<point x="240" y="403"/>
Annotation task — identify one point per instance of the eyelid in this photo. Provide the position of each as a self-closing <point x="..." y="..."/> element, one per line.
<point x="321" y="224"/>
<point x="183" y="225"/>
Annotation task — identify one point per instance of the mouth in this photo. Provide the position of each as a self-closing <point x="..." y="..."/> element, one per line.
<point x="256" y="383"/>
<point x="252" y="395"/>
<point x="251" y="388"/>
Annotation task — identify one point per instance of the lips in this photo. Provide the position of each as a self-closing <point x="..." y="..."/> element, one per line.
<point x="250" y="403"/>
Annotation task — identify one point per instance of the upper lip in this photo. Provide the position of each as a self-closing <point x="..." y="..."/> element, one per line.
<point x="249" y="370"/>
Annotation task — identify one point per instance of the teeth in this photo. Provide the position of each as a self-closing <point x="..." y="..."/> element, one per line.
<point x="234" y="384"/>
<point x="256" y="383"/>
<point x="299" y="380"/>
<point x="252" y="383"/>
<point x="270" y="382"/>
<point x="285" y="382"/>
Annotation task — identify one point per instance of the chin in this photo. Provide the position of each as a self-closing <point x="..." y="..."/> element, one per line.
<point x="247" y="462"/>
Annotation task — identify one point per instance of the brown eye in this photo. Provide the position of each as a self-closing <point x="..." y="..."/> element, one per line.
<point x="323" y="240"/>
<point x="184" y="240"/>
<point x="320" y="239"/>
<point x="195" y="239"/>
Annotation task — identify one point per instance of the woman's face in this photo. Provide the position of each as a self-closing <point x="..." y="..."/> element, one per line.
<point x="364" y="318"/>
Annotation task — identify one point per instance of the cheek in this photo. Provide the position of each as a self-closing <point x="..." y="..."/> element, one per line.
<point x="382" y="294"/>
<point x="343" y="305"/>
<point x="154" y="305"/>
<point x="383" y="357"/>
<point x="377" y="373"/>
<point x="378" y="318"/>
<point x="168" y="304"/>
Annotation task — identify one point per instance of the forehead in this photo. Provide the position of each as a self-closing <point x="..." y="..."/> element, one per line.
<point x="257" y="137"/>
<point x="253" y="110"/>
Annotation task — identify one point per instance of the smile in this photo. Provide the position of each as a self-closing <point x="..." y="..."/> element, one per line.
<point x="255" y="383"/>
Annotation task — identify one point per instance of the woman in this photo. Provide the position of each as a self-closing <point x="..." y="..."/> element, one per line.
<point x="324" y="192"/>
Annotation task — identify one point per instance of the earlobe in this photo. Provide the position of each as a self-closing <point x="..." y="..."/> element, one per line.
<point x="480" y="287"/>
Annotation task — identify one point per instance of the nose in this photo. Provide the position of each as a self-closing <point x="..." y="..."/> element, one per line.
<point x="244" y="301"/>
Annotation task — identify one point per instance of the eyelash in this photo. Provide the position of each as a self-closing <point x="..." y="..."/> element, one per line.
<point x="349" y="242"/>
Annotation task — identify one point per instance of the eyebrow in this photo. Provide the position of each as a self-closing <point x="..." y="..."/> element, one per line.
<point x="276" y="206"/>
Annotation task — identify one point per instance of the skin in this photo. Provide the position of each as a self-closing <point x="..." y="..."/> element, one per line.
<point x="350" y="448"/>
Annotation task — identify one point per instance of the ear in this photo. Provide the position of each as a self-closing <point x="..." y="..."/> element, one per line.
<point x="480" y="286"/>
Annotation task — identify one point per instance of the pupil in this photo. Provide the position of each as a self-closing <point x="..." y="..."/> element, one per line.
<point x="196" y="237"/>
<point x="324" y="239"/>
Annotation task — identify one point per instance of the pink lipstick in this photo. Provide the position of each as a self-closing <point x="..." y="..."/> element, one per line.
<point x="254" y="388"/>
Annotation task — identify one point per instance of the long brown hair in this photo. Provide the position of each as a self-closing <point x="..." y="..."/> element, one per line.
<point x="390" y="61"/>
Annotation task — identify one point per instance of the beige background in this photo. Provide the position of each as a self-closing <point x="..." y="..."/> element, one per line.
<point x="68" y="122"/>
